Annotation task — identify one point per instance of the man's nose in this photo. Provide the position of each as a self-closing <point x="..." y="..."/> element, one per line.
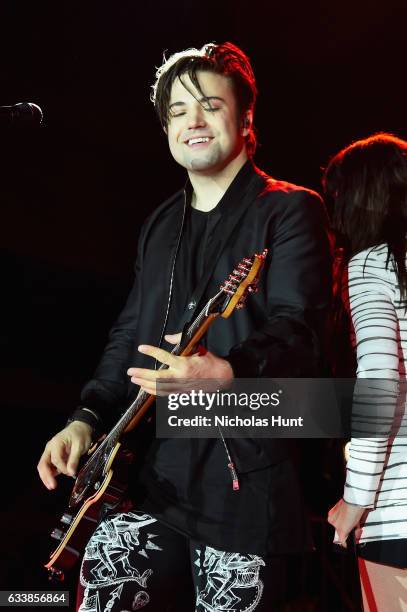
<point x="196" y="117"/>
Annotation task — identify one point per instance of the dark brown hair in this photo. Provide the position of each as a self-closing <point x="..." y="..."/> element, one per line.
<point x="367" y="182"/>
<point x="225" y="59"/>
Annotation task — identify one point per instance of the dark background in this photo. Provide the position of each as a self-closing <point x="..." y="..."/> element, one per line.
<point x="75" y="191"/>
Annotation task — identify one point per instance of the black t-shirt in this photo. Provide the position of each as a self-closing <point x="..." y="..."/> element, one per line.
<point x="190" y="264"/>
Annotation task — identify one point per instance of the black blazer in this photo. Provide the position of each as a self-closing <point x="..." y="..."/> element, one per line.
<point x="279" y="334"/>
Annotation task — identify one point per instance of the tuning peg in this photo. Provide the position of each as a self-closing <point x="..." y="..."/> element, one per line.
<point x="226" y="289"/>
<point x="244" y="269"/>
<point x="232" y="283"/>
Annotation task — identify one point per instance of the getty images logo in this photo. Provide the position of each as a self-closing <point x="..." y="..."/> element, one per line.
<point x="208" y="401"/>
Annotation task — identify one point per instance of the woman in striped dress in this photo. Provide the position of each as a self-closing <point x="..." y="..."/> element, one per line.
<point x="368" y="183"/>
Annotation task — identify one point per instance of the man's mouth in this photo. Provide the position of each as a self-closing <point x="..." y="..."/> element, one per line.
<point x="197" y="141"/>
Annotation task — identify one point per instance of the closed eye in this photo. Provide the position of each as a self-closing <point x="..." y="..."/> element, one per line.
<point x="209" y="109"/>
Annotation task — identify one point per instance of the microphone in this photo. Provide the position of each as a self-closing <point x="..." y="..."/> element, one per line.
<point x="23" y="113"/>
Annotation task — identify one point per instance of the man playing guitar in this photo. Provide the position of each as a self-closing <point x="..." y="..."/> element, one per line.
<point x="199" y="534"/>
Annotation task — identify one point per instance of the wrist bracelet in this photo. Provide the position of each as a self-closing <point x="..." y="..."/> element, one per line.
<point x="88" y="416"/>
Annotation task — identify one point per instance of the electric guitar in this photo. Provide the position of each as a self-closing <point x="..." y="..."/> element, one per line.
<point x="95" y="490"/>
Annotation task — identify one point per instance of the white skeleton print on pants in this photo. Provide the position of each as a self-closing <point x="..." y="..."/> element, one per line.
<point x="232" y="582"/>
<point x="108" y="555"/>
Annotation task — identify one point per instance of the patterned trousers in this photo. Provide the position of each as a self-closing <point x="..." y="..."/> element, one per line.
<point x="134" y="562"/>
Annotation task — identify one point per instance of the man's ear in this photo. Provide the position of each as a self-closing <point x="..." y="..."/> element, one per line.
<point x="247" y="122"/>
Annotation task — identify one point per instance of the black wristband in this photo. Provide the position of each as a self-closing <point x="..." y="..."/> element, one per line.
<point x="86" y="415"/>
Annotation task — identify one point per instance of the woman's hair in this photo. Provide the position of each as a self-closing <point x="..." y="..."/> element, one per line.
<point x="367" y="182"/>
<point x="225" y="59"/>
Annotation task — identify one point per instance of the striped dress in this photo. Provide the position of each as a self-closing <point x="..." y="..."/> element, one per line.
<point x="377" y="468"/>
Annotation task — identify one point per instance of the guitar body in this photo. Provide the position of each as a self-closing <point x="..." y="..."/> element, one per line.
<point x="76" y="526"/>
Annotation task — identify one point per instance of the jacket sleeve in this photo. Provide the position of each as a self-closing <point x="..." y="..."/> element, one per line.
<point x="107" y="390"/>
<point x="375" y="324"/>
<point x="298" y="294"/>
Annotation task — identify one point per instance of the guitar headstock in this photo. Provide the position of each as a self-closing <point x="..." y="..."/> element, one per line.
<point x="242" y="281"/>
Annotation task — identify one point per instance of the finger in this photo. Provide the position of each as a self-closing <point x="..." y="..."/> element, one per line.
<point x="146" y="375"/>
<point x="46" y="470"/>
<point x="162" y="389"/>
<point x="158" y="353"/>
<point x="73" y="459"/>
<point x="340" y="538"/>
<point x="60" y="466"/>
<point x="159" y="391"/>
<point x="150" y="389"/>
<point x="60" y="452"/>
<point x="173" y="338"/>
<point x="337" y="540"/>
<point x="142" y="374"/>
<point x="146" y="386"/>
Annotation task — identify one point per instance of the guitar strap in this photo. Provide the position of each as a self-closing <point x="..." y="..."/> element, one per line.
<point x="226" y="224"/>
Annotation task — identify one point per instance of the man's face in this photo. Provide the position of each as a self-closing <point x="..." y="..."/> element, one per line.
<point x="204" y="134"/>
